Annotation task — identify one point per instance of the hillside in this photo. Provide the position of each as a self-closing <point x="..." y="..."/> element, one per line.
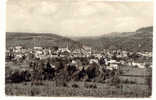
<point x="29" y="40"/>
<point x="140" y="40"/>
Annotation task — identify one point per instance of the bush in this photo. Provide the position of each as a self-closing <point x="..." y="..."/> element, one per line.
<point x="115" y="80"/>
<point x="128" y="82"/>
<point x="90" y="85"/>
<point x="75" y="85"/>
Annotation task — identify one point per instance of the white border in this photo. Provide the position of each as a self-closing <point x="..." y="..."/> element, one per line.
<point x="2" y="47"/>
<point x="2" y="60"/>
<point x="154" y="53"/>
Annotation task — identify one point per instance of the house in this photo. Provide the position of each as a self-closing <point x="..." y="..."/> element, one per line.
<point x="63" y="50"/>
<point x="17" y="49"/>
<point x="38" y="48"/>
<point x="38" y="54"/>
<point x="87" y="49"/>
<point x="113" y="64"/>
<point x="138" y="65"/>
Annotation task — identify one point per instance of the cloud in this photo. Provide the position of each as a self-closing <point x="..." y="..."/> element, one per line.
<point x="77" y="17"/>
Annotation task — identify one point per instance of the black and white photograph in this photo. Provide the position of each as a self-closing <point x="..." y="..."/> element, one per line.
<point x="79" y="48"/>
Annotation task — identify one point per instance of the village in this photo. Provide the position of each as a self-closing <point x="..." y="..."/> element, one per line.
<point x="65" y="66"/>
<point x="113" y="57"/>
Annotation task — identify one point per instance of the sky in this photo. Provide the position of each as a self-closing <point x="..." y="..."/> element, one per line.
<point x="77" y="17"/>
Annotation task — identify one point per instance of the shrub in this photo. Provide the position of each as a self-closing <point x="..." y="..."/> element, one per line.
<point x="75" y="85"/>
<point x="90" y="85"/>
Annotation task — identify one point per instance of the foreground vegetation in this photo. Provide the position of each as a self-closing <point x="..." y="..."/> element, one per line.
<point x="49" y="88"/>
<point x="132" y="82"/>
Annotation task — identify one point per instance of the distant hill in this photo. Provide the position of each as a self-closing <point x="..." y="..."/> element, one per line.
<point x="29" y="40"/>
<point x="140" y="40"/>
<point x="145" y="29"/>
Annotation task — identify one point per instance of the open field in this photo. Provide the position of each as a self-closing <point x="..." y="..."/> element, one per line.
<point x="129" y="86"/>
<point x="49" y="88"/>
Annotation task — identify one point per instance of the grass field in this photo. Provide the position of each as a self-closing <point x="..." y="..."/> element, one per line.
<point x="136" y="86"/>
<point x="49" y="88"/>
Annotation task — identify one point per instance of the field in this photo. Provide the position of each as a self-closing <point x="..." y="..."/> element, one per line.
<point x="49" y="88"/>
<point x="134" y="82"/>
